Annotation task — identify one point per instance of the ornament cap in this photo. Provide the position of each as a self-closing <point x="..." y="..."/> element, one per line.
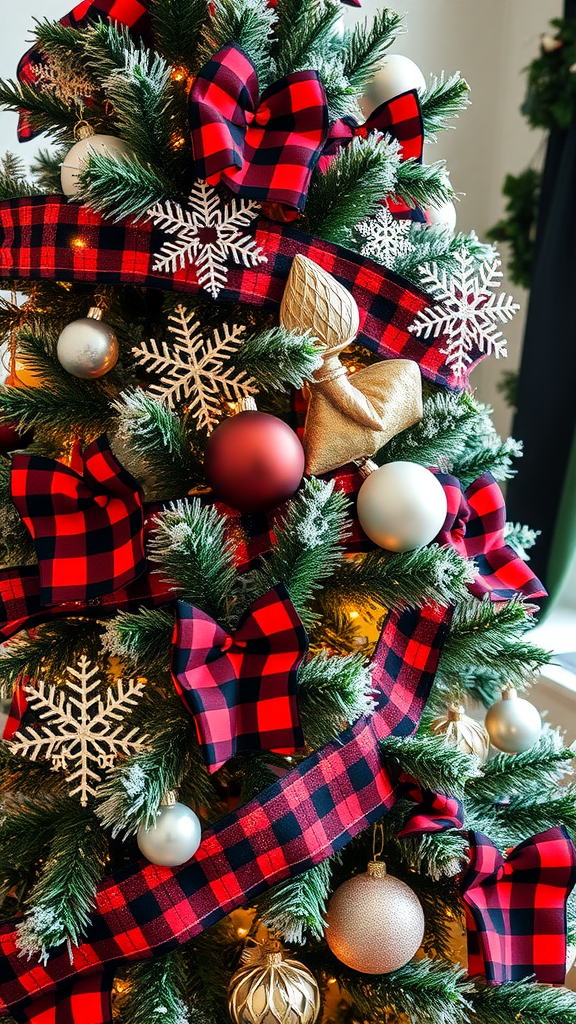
<point x="95" y="313"/>
<point x="367" y="466"/>
<point x="455" y="713"/>
<point x="169" y="798"/>
<point x="247" y="404"/>
<point x="84" y="130"/>
<point x="510" y="693"/>
<point x="377" y="869"/>
<point x="274" y="956"/>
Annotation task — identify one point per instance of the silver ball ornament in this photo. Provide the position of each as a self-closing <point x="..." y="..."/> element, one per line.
<point x="76" y="159"/>
<point x="173" y="838"/>
<point x="88" y="348"/>
<point x="375" y="923"/>
<point x="442" y="216"/>
<point x="398" y="74"/>
<point x="513" y="724"/>
<point x="401" y="506"/>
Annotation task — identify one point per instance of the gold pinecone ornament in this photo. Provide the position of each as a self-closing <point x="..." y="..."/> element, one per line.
<point x="462" y="732"/>
<point x="272" y="988"/>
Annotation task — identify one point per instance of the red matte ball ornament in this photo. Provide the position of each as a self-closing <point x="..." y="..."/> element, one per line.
<point x="253" y="462"/>
<point x="12" y="439"/>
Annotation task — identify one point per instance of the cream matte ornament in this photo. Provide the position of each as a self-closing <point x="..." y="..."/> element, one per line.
<point x="462" y="732"/>
<point x="401" y="506"/>
<point x="398" y="74"/>
<point x="77" y="158"/>
<point x="88" y="348"/>
<point x="514" y="724"/>
<point x="375" y="923"/>
<point x="173" y="838"/>
<point x="272" y="988"/>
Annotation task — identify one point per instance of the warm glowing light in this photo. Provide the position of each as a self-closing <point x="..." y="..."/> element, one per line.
<point x="331" y="981"/>
<point x="178" y="141"/>
<point x="178" y="74"/>
<point x="242" y="932"/>
<point x="354" y="615"/>
<point x="79" y="243"/>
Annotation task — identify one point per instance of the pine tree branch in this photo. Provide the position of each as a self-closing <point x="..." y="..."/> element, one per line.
<point x="367" y="46"/>
<point x="122" y="187"/>
<point x="522" y="1001"/>
<point x="157" y="990"/>
<point x="332" y="693"/>
<point x="434" y="765"/>
<point x="495" y="457"/>
<point x="278" y="359"/>
<point x="46" y="169"/>
<point x="53" y="647"/>
<point x="437" y="245"/>
<point x="443" y="99"/>
<point x="249" y="24"/>
<point x="423" y="184"/>
<point x="209" y="971"/>
<point x="520" y="538"/>
<point x="13" y="180"/>
<point x="526" y="773"/>
<point x="295" y="908"/>
<point x="423" y="990"/>
<point x="508" y="823"/>
<point x="143" y="638"/>
<point x="309" y="39"/>
<point x="447" y="422"/>
<point x="178" y="28"/>
<point x="46" y="112"/>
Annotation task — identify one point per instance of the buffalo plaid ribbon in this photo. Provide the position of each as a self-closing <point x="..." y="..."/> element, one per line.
<point x="18" y="707"/>
<point x="516" y="907"/>
<point x="132" y="13"/>
<point x="87" y="527"/>
<point x="261" y="148"/>
<point x="39" y="236"/>
<point x="312" y="812"/>
<point x="241" y="688"/>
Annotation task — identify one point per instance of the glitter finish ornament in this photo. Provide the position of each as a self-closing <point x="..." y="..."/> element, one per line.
<point x="272" y="988"/>
<point x="375" y="923"/>
<point x="398" y="74"/>
<point x="513" y="724"/>
<point x="253" y="461"/>
<point x="458" y="730"/>
<point x="174" y="836"/>
<point x="401" y="506"/>
<point x="88" y="348"/>
<point x="76" y="159"/>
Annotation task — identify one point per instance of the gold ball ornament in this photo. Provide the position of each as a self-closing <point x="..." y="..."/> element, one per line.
<point x="462" y="732"/>
<point x="273" y="988"/>
<point x="375" y="923"/>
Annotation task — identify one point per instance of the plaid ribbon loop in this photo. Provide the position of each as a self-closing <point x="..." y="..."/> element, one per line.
<point x="86" y="521"/>
<point x="241" y="688"/>
<point x="516" y="907"/>
<point x="261" y="148"/>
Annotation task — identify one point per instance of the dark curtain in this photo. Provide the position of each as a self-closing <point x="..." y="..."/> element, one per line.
<point x="543" y="494"/>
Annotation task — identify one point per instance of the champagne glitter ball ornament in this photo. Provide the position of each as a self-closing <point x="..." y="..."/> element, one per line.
<point x="401" y="506"/>
<point x="273" y="988"/>
<point x="76" y="159"/>
<point x="88" y="348"/>
<point x="173" y="838"/>
<point x="375" y="923"/>
<point x="513" y="724"/>
<point x="398" y="74"/>
<point x="253" y="461"/>
<point x="462" y="732"/>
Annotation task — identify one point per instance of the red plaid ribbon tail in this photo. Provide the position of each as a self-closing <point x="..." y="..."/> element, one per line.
<point x="400" y="117"/>
<point x="18" y="708"/>
<point x="84" y="1000"/>
<point x="241" y="689"/>
<point x="516" y="907"/>
<point x="261" y="148"/>
<point x="432" y="812"/>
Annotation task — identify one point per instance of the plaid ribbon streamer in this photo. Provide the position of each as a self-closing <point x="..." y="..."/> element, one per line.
<point x="39" y="235"/>
<point x="241" y="688"/>
<point x="132" y="13"/>
<point x="516" y="907"/>
<point x="261" y="148"/>
<point x="310" y="813"/>
<point x="87" y="527"/>
<point x="18" y="708"/>
<point x="433" y="812"/>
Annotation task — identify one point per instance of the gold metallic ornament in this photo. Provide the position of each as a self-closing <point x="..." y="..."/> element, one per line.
<point x="375" y="923"/>
<point x="272" y="988"/>
<point x="349" y="417"/>
<point x="462" y="732"/>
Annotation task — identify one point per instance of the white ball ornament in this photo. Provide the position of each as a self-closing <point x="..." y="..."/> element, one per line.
<point x="77" y="157"/>
<point x="88" y="348"/>
<point x="401" y="506"/>
<point x="514" y="724"/>
<point x="442" y="216"/>
<point x="173" y="838"/>
<point x="398" y="74"/>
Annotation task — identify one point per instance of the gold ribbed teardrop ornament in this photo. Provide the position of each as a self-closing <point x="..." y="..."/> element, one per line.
<point x="461" y="731"/>
<point x="272" y="988"/>
<point x="314" y="301"/>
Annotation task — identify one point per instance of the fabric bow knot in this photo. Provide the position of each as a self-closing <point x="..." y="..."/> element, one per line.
<point x="261" y="147"/>
<point x="516" y="907"/>
<point x="241" y="688"/>
<point x="86" y="521"/>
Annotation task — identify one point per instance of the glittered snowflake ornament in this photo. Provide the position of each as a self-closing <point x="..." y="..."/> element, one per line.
<point x="208" y="236"/>
<point x="466" y="311"/>
<point x="77" y="730"/>
<point x="386" y="240"/>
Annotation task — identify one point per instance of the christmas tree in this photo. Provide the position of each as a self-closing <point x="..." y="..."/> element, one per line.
<point x="256" y="565"/>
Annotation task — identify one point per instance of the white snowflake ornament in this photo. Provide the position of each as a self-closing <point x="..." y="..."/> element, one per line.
<point x="386" y="239"/>
<point x="194" y="367"/>
<point x="80" y="737"/>
<point x="207" y="235"/>
<point x="466" y="311"/>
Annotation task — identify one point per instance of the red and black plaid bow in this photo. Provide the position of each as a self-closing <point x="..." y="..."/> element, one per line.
<point x="87" y="522"/>
<point x="516" y="907"/>
<point x="264" y="147"/>
<point x="241" y="688"/>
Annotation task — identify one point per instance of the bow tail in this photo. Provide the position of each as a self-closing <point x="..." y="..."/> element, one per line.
<point x="84" y="1000"/>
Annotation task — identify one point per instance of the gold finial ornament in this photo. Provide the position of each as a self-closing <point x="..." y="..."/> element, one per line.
<point x="458" y="730"/>
<point x="272" y="988"/>
<point x="349" y="418"/>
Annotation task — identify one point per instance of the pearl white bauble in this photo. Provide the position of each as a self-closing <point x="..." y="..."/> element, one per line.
<point x="174" y="837"/>
<point x="442" y="216"/>
<point x="76" y="159"/>
<point x="375" y="923"/>
<point x="513" y="724"/>
<point x="88" y="348"/>
<point x="401" y="506"/>
<point x="398" y="74"/>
